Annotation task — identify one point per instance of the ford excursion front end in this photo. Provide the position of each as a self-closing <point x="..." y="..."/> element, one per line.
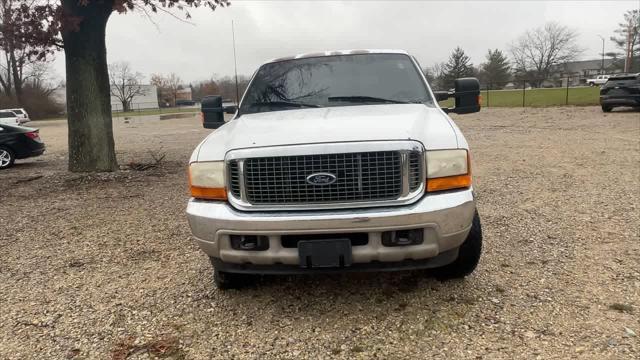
<point x="333" y="162"/>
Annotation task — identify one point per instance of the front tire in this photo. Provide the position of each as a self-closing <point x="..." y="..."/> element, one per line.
<point x="7" y="157"/>
<point x="468" y="254"/>
<point x="606" y="108"/>
<point x="226" y="280"/>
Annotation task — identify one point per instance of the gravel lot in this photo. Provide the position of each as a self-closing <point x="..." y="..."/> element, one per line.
<point x="102" y="266"/>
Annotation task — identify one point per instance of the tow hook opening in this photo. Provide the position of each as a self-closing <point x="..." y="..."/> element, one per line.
<point x="403" y="237"/>
<point x="249" y="242"/>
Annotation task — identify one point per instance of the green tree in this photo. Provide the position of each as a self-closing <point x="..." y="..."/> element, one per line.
<point x="628" y="34"/>
<point x="458" y="66"/>
<point x="496" y="71"/>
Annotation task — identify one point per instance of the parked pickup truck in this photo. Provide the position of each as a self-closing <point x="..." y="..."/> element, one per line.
<point x="336" y="161"/>
<point x="598" y="80"/>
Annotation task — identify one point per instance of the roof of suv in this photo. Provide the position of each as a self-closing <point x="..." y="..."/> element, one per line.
<point x="626" y="75"/>
<point x="340" y="52"/>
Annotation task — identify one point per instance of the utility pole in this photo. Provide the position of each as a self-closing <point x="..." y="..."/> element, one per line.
<point x="602" y="65"/>
<point x="235" y="64"/>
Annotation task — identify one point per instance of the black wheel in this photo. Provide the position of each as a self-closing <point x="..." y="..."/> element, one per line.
<point x="468" y="255"/>
<point x="606" y="108"/>
<point x="226" y="280"/>
<point x="6" y="157"/>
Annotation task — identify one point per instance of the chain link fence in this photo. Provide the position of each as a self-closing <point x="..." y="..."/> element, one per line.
<point x="568" y="90"/>
<point x="116" y="108"/>
<point x="151" y="107"/>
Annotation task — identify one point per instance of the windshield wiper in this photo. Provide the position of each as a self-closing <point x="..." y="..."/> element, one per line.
<point x="284" y="104"/>
<point x="366" y="99"/>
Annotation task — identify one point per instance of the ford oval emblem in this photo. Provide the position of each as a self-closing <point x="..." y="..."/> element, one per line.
<point x="321" y="179"/>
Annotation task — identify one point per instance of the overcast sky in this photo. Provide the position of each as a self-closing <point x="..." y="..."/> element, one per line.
<point x="270" y="29"/>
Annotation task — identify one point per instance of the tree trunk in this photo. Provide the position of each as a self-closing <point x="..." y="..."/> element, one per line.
<point x="17" y="79"/>
<point x="91" y="145"/>
<point x="125" y="106"/>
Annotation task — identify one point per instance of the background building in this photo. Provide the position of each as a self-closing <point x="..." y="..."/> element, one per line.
<point x="148" y="100"/>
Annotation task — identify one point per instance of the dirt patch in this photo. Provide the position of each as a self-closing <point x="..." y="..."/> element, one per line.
<point x="102" y="265"/>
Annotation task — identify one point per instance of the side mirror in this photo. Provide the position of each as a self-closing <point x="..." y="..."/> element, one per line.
<point x="467" y="96"/>
<point x="231" y="109"/>
<point x="441" y="95"/>
<point x="212" y="112"/>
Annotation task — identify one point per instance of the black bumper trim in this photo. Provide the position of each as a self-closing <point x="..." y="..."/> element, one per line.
<point x="442" y="259"/>
<point x="30" y="153"/>
<point x="630" y="100"/>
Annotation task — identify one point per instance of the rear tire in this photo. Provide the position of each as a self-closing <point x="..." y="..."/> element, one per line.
<point x="468" y="254"/>
<point x="7" y="157"/>
<point x="226" y="280"/>
<point x="606" y="108"/>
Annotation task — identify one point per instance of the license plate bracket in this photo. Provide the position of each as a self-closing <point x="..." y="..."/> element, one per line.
<point x="324" y="253"/>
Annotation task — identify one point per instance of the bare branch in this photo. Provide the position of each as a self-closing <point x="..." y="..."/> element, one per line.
<point x="125" y="84"/>
<point x="538" y="52"/>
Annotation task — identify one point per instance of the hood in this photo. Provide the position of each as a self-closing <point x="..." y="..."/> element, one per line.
<point x="418" y="122"/>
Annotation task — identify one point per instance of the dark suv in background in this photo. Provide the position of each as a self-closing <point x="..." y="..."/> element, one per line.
<point x="620" y="90"/>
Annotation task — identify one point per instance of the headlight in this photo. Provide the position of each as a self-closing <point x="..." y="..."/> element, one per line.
<point x="448" y="169"/>
<point x="206" y="180"/>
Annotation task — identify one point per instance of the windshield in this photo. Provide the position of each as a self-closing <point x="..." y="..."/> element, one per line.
<point x="341" y="80"/>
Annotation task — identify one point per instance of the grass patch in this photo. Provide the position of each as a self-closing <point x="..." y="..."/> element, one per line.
<point x="580" y="96"/>
<point x="138" y="113"/>
<point x="155" y="112"/>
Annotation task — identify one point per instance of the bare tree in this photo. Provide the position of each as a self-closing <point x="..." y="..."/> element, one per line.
<point x="160" y="82"/>
<point x="434" y="73"/>
<point x="538" y="52"/>
<point x="125" y="84"/>
<point x="168" y="87"/>
<point x="173" y="85"/>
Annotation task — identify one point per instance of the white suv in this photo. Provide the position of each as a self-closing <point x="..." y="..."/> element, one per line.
<point x="336" y="161"/>
<point x="21" y="114"/>
<point x="9" y="118"/>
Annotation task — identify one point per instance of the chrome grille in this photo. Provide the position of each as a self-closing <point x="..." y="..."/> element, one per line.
<point x="234" y="179"/>
<point x="360" y="177"/>
<point x="415" y="170"/>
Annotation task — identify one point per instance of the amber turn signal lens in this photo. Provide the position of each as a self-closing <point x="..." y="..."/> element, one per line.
<point x="209" y="193"/>
<point x="449" y="182"/>
<point x="202" y="170"/>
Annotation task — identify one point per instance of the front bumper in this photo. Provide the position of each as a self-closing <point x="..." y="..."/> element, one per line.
<point x="620" y="100"/>
<point x="445" y="217"/>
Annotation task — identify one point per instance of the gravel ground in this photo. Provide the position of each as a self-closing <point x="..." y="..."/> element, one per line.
<point x="102" y="266"/>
